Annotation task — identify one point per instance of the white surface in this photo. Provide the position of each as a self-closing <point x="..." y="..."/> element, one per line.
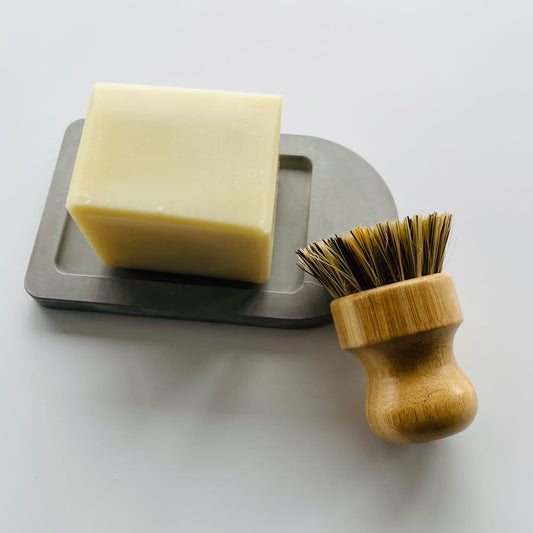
<point x="131" y="425"/>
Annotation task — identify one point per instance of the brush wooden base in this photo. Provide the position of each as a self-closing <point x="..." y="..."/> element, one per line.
<point x="403" y="335"/>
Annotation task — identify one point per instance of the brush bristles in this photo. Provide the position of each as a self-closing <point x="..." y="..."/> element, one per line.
<point x="369" y="257"/>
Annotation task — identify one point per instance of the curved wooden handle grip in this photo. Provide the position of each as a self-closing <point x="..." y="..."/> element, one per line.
<point x="403" y="335"/>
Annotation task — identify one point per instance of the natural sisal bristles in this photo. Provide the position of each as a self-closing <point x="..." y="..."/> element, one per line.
<point x="369" y="257"/>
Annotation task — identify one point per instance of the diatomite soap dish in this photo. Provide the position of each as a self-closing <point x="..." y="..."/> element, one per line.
<point x="323" y="189"/>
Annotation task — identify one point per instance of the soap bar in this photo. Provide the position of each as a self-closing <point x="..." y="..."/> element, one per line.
<point x="179" y="180"/>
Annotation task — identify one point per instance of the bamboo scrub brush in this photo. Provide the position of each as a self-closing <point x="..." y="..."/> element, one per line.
<point x="396" y="311"/>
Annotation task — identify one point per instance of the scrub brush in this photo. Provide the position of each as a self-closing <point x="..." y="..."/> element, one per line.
<point x="396" y="311"/>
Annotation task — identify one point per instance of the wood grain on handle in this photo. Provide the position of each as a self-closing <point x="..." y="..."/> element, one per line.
<point x="403" y="335"/>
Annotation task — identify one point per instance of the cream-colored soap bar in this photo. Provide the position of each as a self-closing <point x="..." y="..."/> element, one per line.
<point x="179" y="180"/>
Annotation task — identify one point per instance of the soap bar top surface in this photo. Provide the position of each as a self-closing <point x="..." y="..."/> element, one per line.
<point x="189" y="154"/>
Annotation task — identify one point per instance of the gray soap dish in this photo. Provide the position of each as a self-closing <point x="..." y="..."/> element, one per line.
<point x="323" y="189"/>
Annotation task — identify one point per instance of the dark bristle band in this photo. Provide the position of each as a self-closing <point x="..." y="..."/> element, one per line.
<point x="369" y="257"/>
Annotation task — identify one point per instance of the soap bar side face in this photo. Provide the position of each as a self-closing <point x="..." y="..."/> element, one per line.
<point x="183" y="159"/>
<point x="168" y="246"/>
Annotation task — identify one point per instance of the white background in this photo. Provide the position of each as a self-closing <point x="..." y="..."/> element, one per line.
<point x="123" y="424"/>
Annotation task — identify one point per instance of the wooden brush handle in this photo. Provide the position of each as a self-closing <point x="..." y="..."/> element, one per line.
<point x="403" y="335"/>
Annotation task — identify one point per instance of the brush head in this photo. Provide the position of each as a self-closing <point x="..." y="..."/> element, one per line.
<point x="369" y="257"/>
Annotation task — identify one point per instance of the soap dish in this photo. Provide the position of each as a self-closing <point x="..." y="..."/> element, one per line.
<point x="323" y="189"/>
